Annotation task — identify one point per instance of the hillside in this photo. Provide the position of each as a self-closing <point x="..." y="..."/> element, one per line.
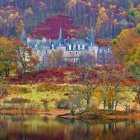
<point x="67" y="75"/>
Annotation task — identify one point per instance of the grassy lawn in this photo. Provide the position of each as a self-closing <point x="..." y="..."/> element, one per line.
<point x="44" y="96"/>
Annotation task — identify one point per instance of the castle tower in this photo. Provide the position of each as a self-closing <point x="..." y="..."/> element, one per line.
<point x="23" y="37"/>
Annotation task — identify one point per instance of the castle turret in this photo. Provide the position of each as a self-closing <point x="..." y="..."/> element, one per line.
<point x="60" y="38"/>
<point x="92" y="38"/>
<point x="23" y="37"/>
<point x="93" y="48"/>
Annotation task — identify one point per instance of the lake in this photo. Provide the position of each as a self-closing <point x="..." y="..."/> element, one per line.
<point x="41" y="127"/>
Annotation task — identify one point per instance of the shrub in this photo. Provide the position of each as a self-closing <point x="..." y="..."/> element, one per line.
<point x="32" y="106"/>
<point x="63" y="104"/>
<point x="18" y="90"/>
<point x="51" y="87"/>
<point x="19" y="101"/>
<point x="24" y="90"/>
<point x="3" y="90"/>
<point x="13" y="90"/>
<point x="66" y="94"/>
<point x="6" y="101"/>
<point x="72" y="112"/>
<point x="45" y="103"/>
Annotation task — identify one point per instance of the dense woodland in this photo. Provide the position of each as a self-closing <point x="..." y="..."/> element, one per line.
<point x="107" y="17"/>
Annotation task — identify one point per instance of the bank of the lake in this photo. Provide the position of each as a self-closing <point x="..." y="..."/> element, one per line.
<point x="104" y="115"/>
<point x="87" y="115"/>
<point x="54" y="112"/>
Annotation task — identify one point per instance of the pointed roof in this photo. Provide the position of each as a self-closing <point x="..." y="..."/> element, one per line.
<point x="92" y="38"/>
<point x="60" y="38"/>
<point x="23" y="36"/>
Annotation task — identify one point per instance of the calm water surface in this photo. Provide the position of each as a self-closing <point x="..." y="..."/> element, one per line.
<point x="49" y="128"/>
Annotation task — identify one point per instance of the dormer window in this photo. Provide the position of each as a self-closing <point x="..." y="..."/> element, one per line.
<point x="52" y="46"/>
<point x="69" y="47"/>
<point x="78" y="47"/>
<point x="36" y="46"/>
<point x="74" y="47"/>
<point x="83" y="47"/>
<point x="100" y="51"/>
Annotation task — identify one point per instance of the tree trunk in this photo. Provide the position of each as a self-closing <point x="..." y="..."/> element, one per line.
<point x="7" y="72"/>
<point x="104" y="104"/>
<point x="109" y="106"/>
<point x="112" y="105"/>
<point x="116" y="105"/>
<point x="87" y="105"/>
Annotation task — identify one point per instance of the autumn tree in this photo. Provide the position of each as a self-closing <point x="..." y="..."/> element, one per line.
<point x="111" y="92"/>
<point x="7" y="56"/>
<point x="88" y="82"/>
<point x="126" y="48"/>
<point x="26" y="59"/>
<point x="14" y="56"/>
<point x="55" y="59"/>
<point x="134" y="13"/>
<point x="87" y="60"/>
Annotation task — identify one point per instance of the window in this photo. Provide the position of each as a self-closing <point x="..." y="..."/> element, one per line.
<point x="74" y="47"/>
<point x="78" y="47"/>
<point x="100" y="51"/>
<point x="52" y="46"/>
<point x="83" y="47"/>
<point x="69" y="47"/>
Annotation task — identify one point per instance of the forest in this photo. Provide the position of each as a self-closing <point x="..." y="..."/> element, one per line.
<point x="107" y="17"/>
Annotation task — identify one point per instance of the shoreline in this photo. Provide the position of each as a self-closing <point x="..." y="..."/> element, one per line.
<point x="66" y="114"/>
<point x="54" y="112"/>
<point x="109" y="117"/>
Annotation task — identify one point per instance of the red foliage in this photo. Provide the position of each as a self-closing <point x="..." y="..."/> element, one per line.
<point x="51" y="27"/>
<point x="60" y="76"/>
<point x="102" y="42"/>
<point x="56" y="75"/>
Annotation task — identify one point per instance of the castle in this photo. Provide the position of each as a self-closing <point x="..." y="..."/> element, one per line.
<point x="72" y="49"/>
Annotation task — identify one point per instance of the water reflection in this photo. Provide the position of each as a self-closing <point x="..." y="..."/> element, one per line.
<point x="49" y="128"/>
